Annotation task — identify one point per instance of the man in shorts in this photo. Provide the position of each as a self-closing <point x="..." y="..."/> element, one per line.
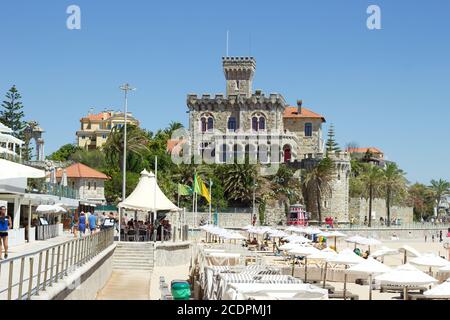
<point x="92" y="220"/>
<point x="5" y="225"/>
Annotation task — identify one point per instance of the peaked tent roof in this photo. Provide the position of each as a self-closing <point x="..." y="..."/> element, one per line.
<point x="143" y="197"/>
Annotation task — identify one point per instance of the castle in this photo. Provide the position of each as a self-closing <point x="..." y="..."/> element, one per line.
<point x="265" y="128"/>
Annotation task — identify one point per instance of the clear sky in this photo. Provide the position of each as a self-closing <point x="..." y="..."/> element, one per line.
<point x="387" y="88"/>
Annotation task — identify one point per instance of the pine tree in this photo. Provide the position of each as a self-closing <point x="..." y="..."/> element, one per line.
<point x="12" y="114"/>
<point x="332" y="145"/>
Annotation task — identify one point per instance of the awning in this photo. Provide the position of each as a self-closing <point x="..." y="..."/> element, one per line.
<point x="144" y="198"/>
<point x="11" y="170"/>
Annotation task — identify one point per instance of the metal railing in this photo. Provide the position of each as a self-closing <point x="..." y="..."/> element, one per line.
<point x="27" y="275"/>
<point x="47" y="232"/>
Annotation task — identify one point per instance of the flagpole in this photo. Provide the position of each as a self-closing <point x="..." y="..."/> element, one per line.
<point x="210" y="202"/>
<point x="155" y="215"/>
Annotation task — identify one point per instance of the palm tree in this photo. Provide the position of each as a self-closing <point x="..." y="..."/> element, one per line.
<point x="239" y="181"/>
<point x="440" y="188"/>
<point x="318" y="180"/>
<point x="137" y="144"/>
<point x="393" y="182"/>
<point x="371" y="179"/>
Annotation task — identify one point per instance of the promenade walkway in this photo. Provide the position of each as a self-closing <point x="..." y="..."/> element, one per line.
<point x="127" y="285"/>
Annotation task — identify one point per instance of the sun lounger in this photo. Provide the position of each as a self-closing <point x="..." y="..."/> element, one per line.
<point x="340" y="295"/>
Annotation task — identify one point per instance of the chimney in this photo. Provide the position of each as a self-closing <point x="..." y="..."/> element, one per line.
<point x="299" y="106"/>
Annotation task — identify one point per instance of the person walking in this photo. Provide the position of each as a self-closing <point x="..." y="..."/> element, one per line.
<point x="82" y="224"/>
<point x="440" y="236"/>
<point x="5" y="225"/>
<point x="92" y="220"/>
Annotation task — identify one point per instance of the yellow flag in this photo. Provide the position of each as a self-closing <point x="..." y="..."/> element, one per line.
<point x="205" y="192"/>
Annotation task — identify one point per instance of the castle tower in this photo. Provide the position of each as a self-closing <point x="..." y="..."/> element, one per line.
<point x="239" y="72"/>
<point x="337" y="202"/>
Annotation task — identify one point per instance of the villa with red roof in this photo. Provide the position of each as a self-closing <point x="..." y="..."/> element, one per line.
<point x="89" y="182"/>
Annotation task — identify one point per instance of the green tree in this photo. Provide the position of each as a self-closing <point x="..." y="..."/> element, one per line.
<point x="64" y="153"/>
<point x="317" y="181"/>
<point x="12" y="114"/>
<point x="439" y="188"/>
<point x="371" y="179"/>
<point x="137" y="147"/>
<point x="393" y="184"/>
<point x="332" y="145"/>
<point x="91" y="158"/>
<point x="421" y="198"/>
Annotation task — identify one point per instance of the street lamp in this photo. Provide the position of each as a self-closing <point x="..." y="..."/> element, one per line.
<point x="126" y="87"/>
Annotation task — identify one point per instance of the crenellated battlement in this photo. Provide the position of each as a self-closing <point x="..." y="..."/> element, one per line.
<point x="256" y="100"/>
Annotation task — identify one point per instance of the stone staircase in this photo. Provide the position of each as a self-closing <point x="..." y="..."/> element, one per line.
<point x="133" y="256"/>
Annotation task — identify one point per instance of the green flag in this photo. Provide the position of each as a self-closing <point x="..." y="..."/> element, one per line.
<point x="184" y="190"/>
<point x="197" y="184"/>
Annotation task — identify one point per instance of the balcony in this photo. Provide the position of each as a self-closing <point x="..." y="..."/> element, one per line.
<point x="56" y="190"/>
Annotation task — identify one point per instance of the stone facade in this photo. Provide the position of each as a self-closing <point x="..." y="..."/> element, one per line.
<point x="336" y="203"/>
<point x="225" y="128"/>
<point x="359" y="209"/>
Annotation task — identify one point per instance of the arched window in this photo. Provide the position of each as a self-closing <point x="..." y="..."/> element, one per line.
<point x="206" y="123"/>
<point x="232" y="124"/>
<point x="308" y="129"/>
<point x="258" y="122"/>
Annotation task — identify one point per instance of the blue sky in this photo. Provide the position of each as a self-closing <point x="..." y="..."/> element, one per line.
<point x="387" y="88"/>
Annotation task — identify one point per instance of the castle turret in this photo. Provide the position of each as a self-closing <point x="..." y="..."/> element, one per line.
<point x="239" y="72"/>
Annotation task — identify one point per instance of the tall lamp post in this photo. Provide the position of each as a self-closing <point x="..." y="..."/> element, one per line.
<point x="126" y="87"/>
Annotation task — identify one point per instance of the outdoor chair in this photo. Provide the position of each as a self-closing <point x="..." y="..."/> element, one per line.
<point x="131" y="234"/>
<point x="142" y="235"/>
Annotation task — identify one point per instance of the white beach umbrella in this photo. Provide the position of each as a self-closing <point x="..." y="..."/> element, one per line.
<point x="64" y="182"/>
<point x="303" y="251"/>
<point x="369" y="267"/>
<point x="430" y="260"/>
<point x="405" y="276"/>
<point x="311" y="231"/>
<point x="248" y="227"/>
<point x="384" y="251"/>
<point x="293" y="229"/>
<point x="441" y="291"/>
<point x="409" y="251"/>
<point x="332" y="234"/>
<point x="324" y="254"/>
<point x="346" y="257"/>
<point x="445" y="269"/>
<point x="289" y="246"/>
<point x="297" y="239"/>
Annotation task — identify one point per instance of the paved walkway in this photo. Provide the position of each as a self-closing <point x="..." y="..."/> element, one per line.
<point x="127" y="285"/>
<point x="20" y="250"/>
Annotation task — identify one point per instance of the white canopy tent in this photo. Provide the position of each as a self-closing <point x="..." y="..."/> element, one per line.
<point x="147" y="197"/>
<point x="143" y="197"/>
<point x="12" y="170"/>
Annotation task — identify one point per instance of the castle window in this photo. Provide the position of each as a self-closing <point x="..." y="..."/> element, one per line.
<point x="206" y="123"/>
<point x="258" y="122"/>
<point x="308" y="130"/>
<point x="232" y="124"/>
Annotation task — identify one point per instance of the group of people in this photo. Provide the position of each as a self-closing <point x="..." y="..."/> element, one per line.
<point x="91" y="222"/>
<point x="163" y="227"/>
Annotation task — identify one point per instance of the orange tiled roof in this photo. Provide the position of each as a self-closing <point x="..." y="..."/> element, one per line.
<point x="364" y="150"/>
<point x="171" y="144"/>
<point x="79" y="170"/>
<point x="292" y="112"/>
<point x="98" y="117"/>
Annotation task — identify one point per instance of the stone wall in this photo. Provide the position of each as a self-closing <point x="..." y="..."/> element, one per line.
<point x="275" y="214"/>
<point x="170" y="254"/>
<point x="306" y="145"/>
<point x="226" y="220"/>
<point x="359" y="209"/>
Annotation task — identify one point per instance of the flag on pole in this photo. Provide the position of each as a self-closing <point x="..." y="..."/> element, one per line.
<point x="184" y="190"/>
<point x="201" y="189"/>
